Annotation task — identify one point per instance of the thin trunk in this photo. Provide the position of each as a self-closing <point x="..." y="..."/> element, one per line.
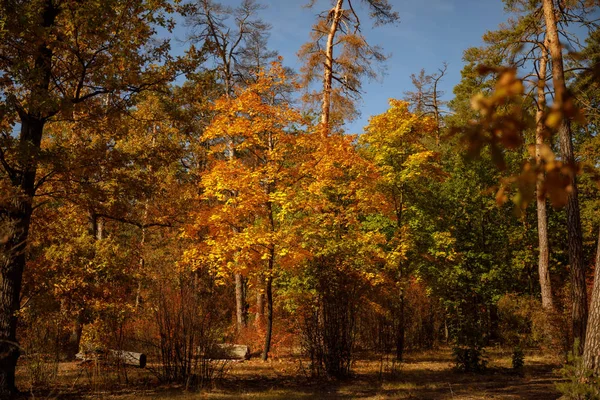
<point x="401" y="329"/>
<point x="271" y="263"/>
<point x="142" y="260"/>
<point x="141" y="263"/>
<point x="446" y="330"/>
<point x="269" y="298"/>
<point x="436" y="110"/>
<point x="336" y="16"/>
<point x="240" y="302"/>
<point x="400" y="332"/>
<point x="578" y="285"/>
<point x="591" y="353"/>
<point x="260" y="304"/>
<point x="542" y="218"/>
<point x="75" y="337"/>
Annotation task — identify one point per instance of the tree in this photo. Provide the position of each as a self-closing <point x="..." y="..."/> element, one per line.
<point x="535" y="30"/>
<point x="542" y="217"/>
<point x="238" y="49"/>
<point x="352" y="64"/>
<point x="587" y="91"/>
<point x="54" y="57"/>
<point x="244" y="223"/>
<point x="426" y="97"/>
<point x="343" y="254"/>
<point x="395" y="143"/>
<point x="562" y="100"/>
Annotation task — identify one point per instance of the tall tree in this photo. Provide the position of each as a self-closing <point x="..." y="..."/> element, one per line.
<point x="562" y="100"/>
<point x="588" y="95"/>
<point x="542" y="216"/>
<point x="261" y="177"/>
<point x="55" y="56"/>
<point x="395" y="143"/>
<point x="341" y="26"/>
<point x="237" y="48"/>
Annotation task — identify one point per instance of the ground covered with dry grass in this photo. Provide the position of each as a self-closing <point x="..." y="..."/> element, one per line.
<point x="428" y="375"/>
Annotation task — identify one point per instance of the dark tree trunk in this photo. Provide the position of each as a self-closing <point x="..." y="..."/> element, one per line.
<point x="494" y="323"/>
<point x="269" y="321"/>
<point x="17" y="212"/>
<point x="400" y="329"/>
<point x="578" y="285"/>
<point x="18" y="215"/>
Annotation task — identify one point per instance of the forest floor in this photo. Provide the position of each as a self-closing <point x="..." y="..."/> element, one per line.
<point x="424" y="375"/>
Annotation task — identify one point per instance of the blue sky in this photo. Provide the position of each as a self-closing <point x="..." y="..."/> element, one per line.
<point x="429" y="33"/>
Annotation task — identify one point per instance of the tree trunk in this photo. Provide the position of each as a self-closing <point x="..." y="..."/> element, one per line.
<point x="17" y="212"/>
<point x="10" y="286"/>
<point x="335" y="16"/>
<point x="240" y="302"/>
<point x="400" y="329"/>
<point x="542" y="218"/>
<point x="591" y="353"/>
<point x="75" y="337"/>
<point x="269" y="324"/>
<point x="578" y="285"/>
<point x="13" y="250"/>
<point x="260" y="303"/>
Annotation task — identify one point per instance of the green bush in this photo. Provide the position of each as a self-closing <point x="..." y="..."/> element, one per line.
<point x="470" y="359"/>
<point x="518" y="359"/>
<point x="579" y="383"/>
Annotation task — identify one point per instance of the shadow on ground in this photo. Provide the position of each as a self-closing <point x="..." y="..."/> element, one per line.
<point x="421" y="377"/>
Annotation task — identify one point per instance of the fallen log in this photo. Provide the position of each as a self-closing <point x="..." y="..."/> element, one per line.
<point x="228" y="351"/>
<point x="128" y="357"/>
<point x="114" y="357"/>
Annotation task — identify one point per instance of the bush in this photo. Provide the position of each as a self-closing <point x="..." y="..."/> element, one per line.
<point x="518" y="359"/>
<point x="524" y="323"/>
<point x="470" y="359"/>
<point x="328" y="322"/>
<point x="579" y="384"/>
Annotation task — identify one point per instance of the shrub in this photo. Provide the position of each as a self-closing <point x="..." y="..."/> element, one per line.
<point x="518" y="359"/>
<point x="579" y="383"/>
<point x="470" y="359"/>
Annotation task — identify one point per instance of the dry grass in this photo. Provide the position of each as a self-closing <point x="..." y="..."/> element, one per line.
<point x="427" y="375"/>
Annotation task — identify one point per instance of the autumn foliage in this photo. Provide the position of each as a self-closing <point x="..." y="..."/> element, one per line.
<point x="171" y="205"/>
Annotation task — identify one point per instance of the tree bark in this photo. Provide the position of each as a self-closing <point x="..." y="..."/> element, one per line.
<point x="269" y="301"/>
<point x="591" y="353"/>
<point x="577" y="267"/>
<point x="400" y="329"/>
<point x="335" y="16"/>
<point x="260" y="303"/>
<point x="75" y="337"/>
<point x="240" y="302"/>
<point x="542" y="217"/>
<point x="13" y="251"/>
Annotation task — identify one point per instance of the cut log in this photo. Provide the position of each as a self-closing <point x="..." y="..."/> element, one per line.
<point x="115" y="356"/>
<point x="128" y="357"/>
<point x="229" y="352"/>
